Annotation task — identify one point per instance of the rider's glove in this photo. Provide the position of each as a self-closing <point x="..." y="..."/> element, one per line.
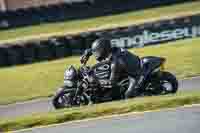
<point x="84" y="59"/>
<point x="85" y="56"/>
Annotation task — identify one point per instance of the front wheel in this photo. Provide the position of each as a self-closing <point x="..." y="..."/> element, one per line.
<point x="168" y="83"/>
<point x="66" y="99"/>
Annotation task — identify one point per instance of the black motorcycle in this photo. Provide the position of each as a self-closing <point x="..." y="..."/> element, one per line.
<point x="87" y="85"/>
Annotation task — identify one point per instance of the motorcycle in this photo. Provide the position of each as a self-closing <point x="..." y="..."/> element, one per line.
<point x="88" y="85"/>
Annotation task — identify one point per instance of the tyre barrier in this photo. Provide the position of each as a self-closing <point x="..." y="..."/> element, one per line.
<point x="70" y="11"/>
<point x="76" y="44"/>
<point x="3" y="56"/>
<point x="15" y="55"/>
<point x="29" y="52"/>
<point x="44" y="50"/>
<point x="88" y="38"/>
<point x="63" y="46"/>
<point x="12" y="54"/>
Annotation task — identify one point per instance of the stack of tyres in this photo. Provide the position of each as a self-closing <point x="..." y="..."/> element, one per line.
<point x="60" y="12"/>
<point x="41" y="13"/>
<point x="3" y="56"/>
<point x="14" y="54"/>
<point x="25" y="17"/>
<point x="66" y="11"/>
<point x="88" y="39"/>
<point x="51" y="17"/>
<point x="55" y="12"/>
<point x="194" y="19"/>
<point x="29" y="52"/>
<point x="33" y="16"/>
<point x="3" y="21"/>
<point x="13" y="19"/>
<point x="1" y="15"/>
<point x="43" y="50"/>
<point x="84" y="37"/>
<point x="18" y="18"/>
<point x="62" y="47"/>
<point x="76" y="44"/>
<point x="47" y="14"/>
<point x="36" y="15"/>
<point x="81" y="6"/>
<point x="51" y="47"/>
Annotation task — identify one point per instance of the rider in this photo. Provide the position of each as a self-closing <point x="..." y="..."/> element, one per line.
<point x="123" y="64"/>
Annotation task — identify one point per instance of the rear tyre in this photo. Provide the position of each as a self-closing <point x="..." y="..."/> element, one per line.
<point x="168" y="83"/>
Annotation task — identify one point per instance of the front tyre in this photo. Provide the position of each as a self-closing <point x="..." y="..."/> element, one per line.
<point x="168" y="83"/>
<point x="65" y="98"/>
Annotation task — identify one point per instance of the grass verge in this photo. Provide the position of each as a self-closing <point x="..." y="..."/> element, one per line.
<point x="104" y="22"/>
<point x="42" y="79"/>
<point x="120" y="107"/>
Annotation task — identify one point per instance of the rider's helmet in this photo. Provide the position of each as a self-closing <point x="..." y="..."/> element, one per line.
<point x="101" y="48"/>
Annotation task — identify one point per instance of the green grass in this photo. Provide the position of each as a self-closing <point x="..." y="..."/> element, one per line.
<point x="100" y="22"/>
<point x="41" y="79"/>
<point x="120" y="107"/>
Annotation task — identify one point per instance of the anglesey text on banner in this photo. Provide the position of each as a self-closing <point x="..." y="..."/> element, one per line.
<point x="148" y="37"/>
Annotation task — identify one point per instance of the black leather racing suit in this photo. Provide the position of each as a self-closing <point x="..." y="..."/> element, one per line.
<point x="123" y="64"/>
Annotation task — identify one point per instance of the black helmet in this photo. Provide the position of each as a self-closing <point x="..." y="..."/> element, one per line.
<point x="101" y="48"/>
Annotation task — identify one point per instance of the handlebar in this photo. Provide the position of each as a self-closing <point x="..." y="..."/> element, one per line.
<point x="84" y="63"/>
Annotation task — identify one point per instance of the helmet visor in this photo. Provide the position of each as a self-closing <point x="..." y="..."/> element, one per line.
<point x="98" y="53"/>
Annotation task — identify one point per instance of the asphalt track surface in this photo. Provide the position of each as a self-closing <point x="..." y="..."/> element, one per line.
<point x="182" y="120"/>
<point x="44" y="105"/>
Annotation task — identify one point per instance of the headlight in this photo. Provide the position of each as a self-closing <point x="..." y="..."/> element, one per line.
<point x="85" y="85"/>
<point x="69" y="83"/>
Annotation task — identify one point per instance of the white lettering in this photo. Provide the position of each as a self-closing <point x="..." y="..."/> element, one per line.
<point x="147" y="37"/>
<point x="116" y="43"/>
<point x="198" y="31"/>
<point x="178" y="33"/>
<point x="194" y="31"/>
<point x="138" y="41"/>
<point x="126" y="41"/>
<point x="165" y="35"/>
<point x="187" y="32"/>
<point x="154" y="37"/>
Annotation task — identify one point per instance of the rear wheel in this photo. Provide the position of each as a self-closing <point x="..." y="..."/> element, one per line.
<point x="168" y="83"/>
<point x="165" y="83"/>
